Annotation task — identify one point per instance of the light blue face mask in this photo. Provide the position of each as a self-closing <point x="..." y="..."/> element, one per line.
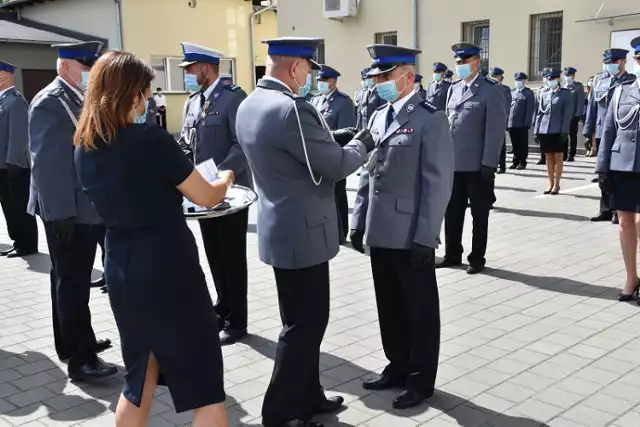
<point x="553" y="83"/>
<point x="367" y="83"/>
<point x="388" y="90"/>
<point x="463" y="70"/>
<point x="323" y="87"/>
<point x="612" y="68"/>
<point x="85" y="81"/>
<point x="569" y="80"/>
<point x="140" y="119"/>
<point x="191" y="83"/>
<point x="437" y="77"/>
<point x="304" y="90"/>
<point x="519" y="84"/>
<point x="636" y="69"/>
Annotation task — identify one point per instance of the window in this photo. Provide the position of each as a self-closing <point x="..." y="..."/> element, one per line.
<point x="545" y="47"/>
<point x="478" y="33"/>
<point x="170" y="77"/>
<point x="320" y="59"/>
<point x="390" y="37"/>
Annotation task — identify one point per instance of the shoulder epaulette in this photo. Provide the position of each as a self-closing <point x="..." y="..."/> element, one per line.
<point x="193" y="94"/>
<point x="232" y="87"/>
<point x="292" y="95"/>
<point x="627" y="81"/>
<point x="428" y="106"/>
<point x="56" y="92"/>
<point x="457" y="81"/>
<point x="490" y="80"/>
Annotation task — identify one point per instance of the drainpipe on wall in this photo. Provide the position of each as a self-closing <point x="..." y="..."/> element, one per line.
<point x="414" y="19"/>
<point x="119" y="23"/>
<point x="251" y="41"/>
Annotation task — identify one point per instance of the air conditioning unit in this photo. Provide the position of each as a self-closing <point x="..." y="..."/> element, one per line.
<point x="338" y="9"/>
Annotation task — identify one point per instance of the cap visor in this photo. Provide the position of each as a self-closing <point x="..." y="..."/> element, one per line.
<point x="315" y="65"/>
<point x="379" y="72"/>
<point x="185" y="64"/>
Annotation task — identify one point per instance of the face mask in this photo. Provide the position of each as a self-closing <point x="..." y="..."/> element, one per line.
<point x="636" y="69"/>
<point x="545" y="80"/>
<point x="437" y="77"/>
<point x="519" y="84"/>
<point x="85" y="81"/>
<point x="388" y="90"/>
<point x="323" y="87"/>
<point x="139" y="119"/>
<point x="569" y="80"/>
<point x="612" y="68"/>
<point x="553" y="83"/>
<point x="304" y="90"/>
<point x="364" y="84"/>
<point x="589" y="84"/>
<point x="463" y="70"/>
<point x="191" y="83"/>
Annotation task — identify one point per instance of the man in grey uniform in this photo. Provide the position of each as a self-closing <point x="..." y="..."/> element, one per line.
<point x="339" y="112"/>
<point x="72" y="226"/>
<point x="578" y="95"/>
<point x="417" y="85"/>
<point x="477" y="115"/>
<point x="369" y="102"/>
<point x="209" y="132"/>
<point x="360" y="96"/>
<point x="15" y="175"/>
<point x="538" y="96"/>
<point x="296" y="162"/>
<point x="520" y="120"/>
<point x="152" y="112"/>
<point x="400" y="205"/>
<point x="439" y="87"/>
<point x="497" y="74"/>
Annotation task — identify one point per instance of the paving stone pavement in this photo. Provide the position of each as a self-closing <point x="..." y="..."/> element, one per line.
<point x="538" y="339"/>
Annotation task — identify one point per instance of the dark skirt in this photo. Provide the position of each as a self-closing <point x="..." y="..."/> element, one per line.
<point x="551" y="143"/>
<point x="625" y="191"/>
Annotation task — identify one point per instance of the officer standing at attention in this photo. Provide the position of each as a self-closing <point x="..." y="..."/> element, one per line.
<point x="520" y="119"/>
<point x="72" y="226"/>
<point x="438" y="88"/>
<point x="338" y="111"/>
<point x="369" y="102"/>
<point x="360" y="96"/>
<point x="15" y="175"/>
<point x="400" y="205"/>
<point x="209" y="132"/>
<point x="418" y="87"/>
<point x="477" y="115"/>
<point x="578" y="95"/>
<point x="152" y="111"/>
<point x="497" y="74"/>
<point x="297" y="222"/>
<point x="539" y="92"/>
<point x="615" y="63"/>
<point x="448" y="76"/>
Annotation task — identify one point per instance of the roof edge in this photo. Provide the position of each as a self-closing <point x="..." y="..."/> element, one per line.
<point x="17" y="4"/>
<point x="12" y="17"/>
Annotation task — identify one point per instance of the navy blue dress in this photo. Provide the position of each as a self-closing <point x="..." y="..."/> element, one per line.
<point x="157" y="289"/>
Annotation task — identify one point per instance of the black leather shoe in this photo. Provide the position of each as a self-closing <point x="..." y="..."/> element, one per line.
<point x="448" y="262"/>
<point x="95" y="370"/>
<point x="98" y="283"/>
<point x="628" y="297"/>
<point x="409" y="399"/>
<point x="7" y="251"/>
<point x="513" y="166"/>
<point x="595" y="180"/>
<point x="521" y="167"/>
<point x="475" y="269"/>
<point x="540" y="162"/>
<point x="331" y="404"/>
<point x="614" y="220"/>
<point x="230" y="336"/>
<point x="571" y="159"/>
<point x="19" y="253"/>
<point x="297" y="423"/>
<point x="501" y="171"/>
<point x="101" y="345"/>
<point x="383" y="382"/>
<point x="601" y="217"/>
<point x="104" y="289"/>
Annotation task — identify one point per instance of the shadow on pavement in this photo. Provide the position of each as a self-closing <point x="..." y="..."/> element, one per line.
<point x="516" y="189"/>
<point x="541" y="214"/>
<point x="530" y="175"/>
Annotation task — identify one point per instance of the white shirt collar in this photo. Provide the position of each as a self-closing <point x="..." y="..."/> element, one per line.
<point x="472" y="81"/>
<point x="207" y="93"/>
<point x="6" y="90"/>
<point x="76" y="91"/>
<point x="638" y="81"/>
<point x="273" y="79"/>
<point x="397" y="106"/>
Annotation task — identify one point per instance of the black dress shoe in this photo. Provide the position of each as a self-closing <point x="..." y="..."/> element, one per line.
<point x="595" y="180"/>
<point x="501" y="171"/>
<point x="7" y="251"/>
<point x="101" y="345"/>
<point x="383" y="382"/>
<point x="614" y="219"/>
<point x="513" y="166"/>
<point x="230" y="336"/>
<point x="448" y="262"/>
<point x="475" y="269"/>
<point x="628" y="297"/>
<point x="571" y="159"/>
<point x="602" y="216"/>
<point x="19" y="253"/>
<point x="296" y="423"/>
<point x="98" y="283"/>
<point x="95" y="370"/>
<point x="104" y="289"/>
<point x="329" y="405"/>
<point x="521" y="167"/>
<point x="540" y="162"/>
<point x="409" y="399"/>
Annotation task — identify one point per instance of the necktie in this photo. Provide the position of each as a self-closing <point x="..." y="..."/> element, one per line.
<point x="464" y="89"/>
<point x="202" y="101"/>
<point x="389" y="117"/>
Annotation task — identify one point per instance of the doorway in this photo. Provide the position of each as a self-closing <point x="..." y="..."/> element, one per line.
<point x="33" y="81"/>
<point x="260" y="72"/>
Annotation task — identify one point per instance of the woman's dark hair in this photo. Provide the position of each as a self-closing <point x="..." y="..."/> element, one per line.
<point x="115" y="81"/>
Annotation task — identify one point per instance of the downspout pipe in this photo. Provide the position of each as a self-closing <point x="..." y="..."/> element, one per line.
<point x="119" y="23"/>
<point x="414" y="27"/>
<point x="251" y="41"/>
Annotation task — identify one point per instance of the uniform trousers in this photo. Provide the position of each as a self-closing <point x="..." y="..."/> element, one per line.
<point x="468" y="188"/>
<point x="294" y="392"/>
<point x="409" y="317"/>
<point x="605" y="198"/>
<point x="571" y="149"/>
<point x="71" y="266"/>
<point x="225" y="243"/>
<point x="340" y="193"/>
<point x="520" y="143"/>
<point x="503" y="154"/>
<point x="14" y="196"/>
<point x="161" y="118"/>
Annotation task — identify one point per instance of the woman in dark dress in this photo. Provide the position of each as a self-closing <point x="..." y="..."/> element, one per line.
<point x="135" y="175"/>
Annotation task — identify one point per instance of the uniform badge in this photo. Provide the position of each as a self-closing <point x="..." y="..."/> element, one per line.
<point x="410" y="108"/>
<point x="404" y="131"/>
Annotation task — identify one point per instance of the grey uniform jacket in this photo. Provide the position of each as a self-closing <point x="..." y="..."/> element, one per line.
<point x="601" y="92"/>
<point x="403" y="196"/>
<point x="477" y="118"/>
<point x="577" y="97"/>
<point x="522" y="108"/>
<point x="215" y="125"/>
<point x="436" y="94"/>
<point x="619" y="149"/>
<point x="554" y="114"/>
<point x="506" y="92"/>
<point x="369" y="102"/>
<point x="14" y="135"/>
<point x="152" y="111"/>
<point x="297" y="219"/>
<point x="56" y="192"/>
<point x="337" y="109"/>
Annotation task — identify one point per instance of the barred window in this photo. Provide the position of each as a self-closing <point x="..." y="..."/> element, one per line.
<point x="545" y="47"/>
<point x="389" y="37"/>
<point x="478" y="33"/>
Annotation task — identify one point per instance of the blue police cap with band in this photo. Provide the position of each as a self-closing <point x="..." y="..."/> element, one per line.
<point x="86" y="53"/>
<point x="365" y="73"/>
<point x="553" y="73"/>
<point x="635" y="44"/>
<point x="193" y="53"/>
<point x="611" y="55"/>
<point x="418" y="78"/>
<point x="5" y="66"/>
<point x="496" y="71"/>
<point x="520" y="76"/>
<point x="327" y="72"/>
<point x="439" y="66"/>
<point x="570" y="71"/>
<point x="296" y="47"/>
<point x="387" y="58"/>
<point x="464" y="50"/>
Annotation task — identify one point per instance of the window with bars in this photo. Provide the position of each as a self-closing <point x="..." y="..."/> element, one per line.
<point x="545" y="47"/>
<point x="170" y="77"/>
<point x="389" y="37"/>
<point x="478" y="33"/>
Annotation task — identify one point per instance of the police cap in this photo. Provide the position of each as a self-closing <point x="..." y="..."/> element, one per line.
<point x="327" y="72"/>
<point x="418" y="78"/>
<point x="553" y="73"/>
<point x="86" y="53"/>
<point x="611" y="55"/>
<point x="635" y="44"/>
<point x="496" y="71"/>
<point x="520" y="76"/>
<point x="296" y="47"/>
<point x="193" y="53"/>
<point x="439" y="66"/>
<point x="387" y="58"/>
<point x="464" y="50"/>
<point x="364" y="73"/>
<point x="570" y="71"/>
<point x="5" y="66"/>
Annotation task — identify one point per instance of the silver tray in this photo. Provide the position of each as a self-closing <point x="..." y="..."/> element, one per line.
<point x="238" y="198"/>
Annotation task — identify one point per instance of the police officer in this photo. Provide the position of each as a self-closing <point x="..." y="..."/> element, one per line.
<point x="338" y="111"/>
<point x="72" y="226"/>
<point x="539" y="92"/>
<point x="368" y="103"/>
<point x="438" y="88"/>
<point x="618" y="166"/>
<point x="226" y="78"/>
<point x="477" y="116"/>
<point x="577" y="95"/>
<point x="604" y="84"/>
<point x="448" y="76"/>
<point x="297" y="221"/>
<point x="15" y="175"/>
<point x="152" y="111"/>
<point x="417" y="85"/>
<point x="497" y="74"/>
<point x="520" y="120"/>
<point x="360" y="95"/>
<point x="209" y="132"/>
<point x="400" y="205"/>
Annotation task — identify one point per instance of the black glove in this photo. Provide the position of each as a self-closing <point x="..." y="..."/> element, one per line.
<point x="356" y="237"/>
<point x="13" y="171"/>
<point x="604" y="182"/>
<point x="63" y="229"/>
<point x="422" y="256"/>
<point x="366" y="138"/>
<point x="344" y="136"/>
<point x="487" y="173"/>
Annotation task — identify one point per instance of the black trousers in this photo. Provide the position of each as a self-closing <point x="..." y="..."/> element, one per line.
<point x="161" y="118"/>
<point x="71" y="266"/>
<point x="468" y="187"/>
<point x="295" y="391"/>
<point x="409" y="317"/>
<point x="520" y="142"/>
<point x="342" y="204"/>
<point x="605" y="198"/>
<point x="571" y="149"/>
<point x="225" y="243"/>
<point x="14" y="196"/>
<point x="503" y="154"/>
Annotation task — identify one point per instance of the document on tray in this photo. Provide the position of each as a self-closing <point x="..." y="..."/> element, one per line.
<point x="209" y="172"/>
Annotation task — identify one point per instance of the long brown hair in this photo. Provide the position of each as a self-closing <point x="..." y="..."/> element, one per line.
<point x="116" y="79"/>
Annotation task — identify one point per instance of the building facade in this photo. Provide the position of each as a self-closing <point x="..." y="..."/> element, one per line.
<point x="526" y="36"/>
